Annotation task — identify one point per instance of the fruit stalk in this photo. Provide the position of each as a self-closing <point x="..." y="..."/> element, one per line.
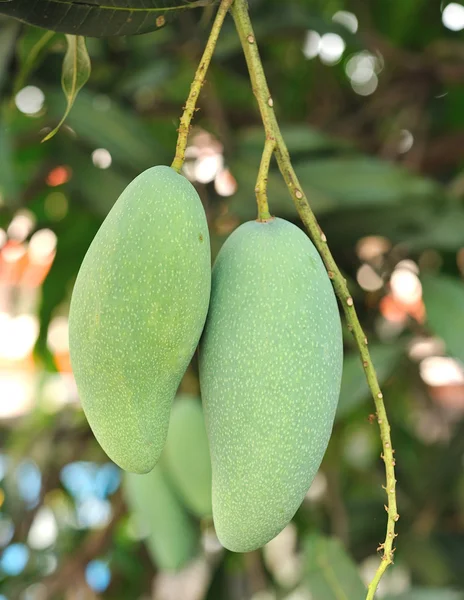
<point x="197" y="83"/>
<point x="239" y="11"/>
<point x="261" y="182"/>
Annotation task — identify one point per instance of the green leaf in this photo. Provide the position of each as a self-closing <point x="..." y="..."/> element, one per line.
<point x="8" y="33"/>
<point x="444" y="302"/>
<point x="299" y="138"/>
<point x="429" y="594"/>
<point x="103" y="123"/>
<point x="75" y="73"/>
<point x="9" y="184"/>
<point x="330" y="572"/>
<point x="97" y="18"/>
<point x="354" y="388"/>
<point x="363" y="181"/>
<point x="31" y="50"/>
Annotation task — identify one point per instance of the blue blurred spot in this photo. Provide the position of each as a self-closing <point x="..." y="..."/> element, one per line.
<point x="85" y="480"/>
<point x="29" y="481"/>
<point x="79" y="479"/>
<point x="98" y="575"/>
<point x="107" y="480"/>
<point x="14" y="559"/>
<point x="2" y="597"/>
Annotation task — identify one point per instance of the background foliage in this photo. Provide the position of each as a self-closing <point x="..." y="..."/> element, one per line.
<point x="372" y="112"/>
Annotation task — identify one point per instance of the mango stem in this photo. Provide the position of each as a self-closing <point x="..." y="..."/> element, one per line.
<point x="197" y="83"/>
<point x="261" y="182"/>
<point x="239" y="11"/>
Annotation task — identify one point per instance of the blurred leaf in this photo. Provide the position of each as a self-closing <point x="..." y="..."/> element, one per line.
<point x="444" y="303"/>
<point x="8" y="32"/>
<point x="31" y="49"/>
<point x="97" y="18"/>
<point x="444" y="231"/>
<point x="362" y="181"/>
<point x="149" y="77"/>
<point x="332" y="184"/>
<point x="8" y="175"/>
<point x="428" y="594"/>
<point x="299" y="139"/>
<point x="102" y="123"/>
<point x="75" y="74"/>
<point x="98" y="189"/>
<point x="354" y="388"/>
<point x="330" y="572"/>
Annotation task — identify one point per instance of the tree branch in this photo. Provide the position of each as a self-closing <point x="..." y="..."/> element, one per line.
<point x="197" y="83"/>
<point x="244" y="27"/>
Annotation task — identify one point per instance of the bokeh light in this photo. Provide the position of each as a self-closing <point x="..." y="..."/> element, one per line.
<point x="30" y="100"/>
<point x="101" y="158"/>
<point x="331" y="48"/>
<point x="348" y="19"/>
<point x="14" y="559"/>
<point x="44" y="530"/>
<point x="98" y="575"/>
<point x="453" y="16"/>
<point x="29" y="481"/>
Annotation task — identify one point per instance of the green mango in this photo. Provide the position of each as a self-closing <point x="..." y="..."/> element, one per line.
<point x="137" y="312"/>
<point x="171" y="538"/>
<point x="270" y="370"/>
<point x="186" y="455"/>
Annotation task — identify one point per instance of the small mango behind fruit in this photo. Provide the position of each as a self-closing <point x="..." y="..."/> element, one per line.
<point x="137" y="312"/>
<point x="270" y="371"/>
<point x="171" y="537"/>
<point x="186" y="455"/>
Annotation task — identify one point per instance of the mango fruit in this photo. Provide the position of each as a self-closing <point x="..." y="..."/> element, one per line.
<point x="186" y="455"/>
<point x="137" y="312"/>
<point x="270" y="370"/>
<point x="171" y="538"/>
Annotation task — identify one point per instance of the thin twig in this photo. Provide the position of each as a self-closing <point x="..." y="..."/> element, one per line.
<point x="261" y="182"/>
<point x="197" y="83"/>
<point x="243" y="24"/>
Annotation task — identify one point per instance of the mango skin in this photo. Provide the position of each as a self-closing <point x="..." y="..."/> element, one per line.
<point x="171" y="538"/>
<point x="186" y="455"/>
<point x="270" y="371"/>
<point x="137" y="312"/>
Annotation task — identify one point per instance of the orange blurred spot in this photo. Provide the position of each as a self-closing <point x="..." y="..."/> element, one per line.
<point x="58" y="176"/>
<point x="397" y="312"/>
<point x="62" y="362"/>
<point x="13" y="262"/>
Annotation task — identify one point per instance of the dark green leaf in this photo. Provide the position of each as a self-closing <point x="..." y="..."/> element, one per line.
<point x="75" y="74"/>
<point x="444" y="303"/>
<point x="330" y="572"/>
<point x="31" y="50"/>
<point x="354" y="389"/>
<point x="97" y="18"/>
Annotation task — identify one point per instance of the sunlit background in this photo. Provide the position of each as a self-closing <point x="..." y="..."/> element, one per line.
<point x="371" y="104"/>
